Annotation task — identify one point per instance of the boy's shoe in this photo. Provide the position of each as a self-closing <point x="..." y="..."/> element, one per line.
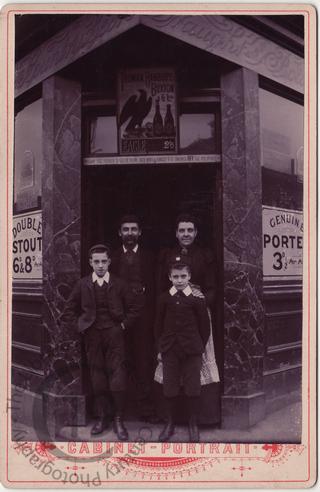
<point x="99" y="426"/>
<point x="193" y="430"/>
<point x="120" y="429"/>
<point x="167" y="431"/>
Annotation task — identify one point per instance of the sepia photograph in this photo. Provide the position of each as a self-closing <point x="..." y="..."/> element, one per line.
<point x="157" y="239"/>
<point x="144" y="152"/>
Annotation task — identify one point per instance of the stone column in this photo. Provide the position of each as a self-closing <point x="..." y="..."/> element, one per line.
<point x="64" y="402"/>
<point x="243" y="401"/>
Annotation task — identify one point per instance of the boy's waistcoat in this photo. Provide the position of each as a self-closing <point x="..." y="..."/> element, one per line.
<point x="83" y="304"/>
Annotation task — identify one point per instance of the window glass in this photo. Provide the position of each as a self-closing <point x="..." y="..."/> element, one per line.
<point x="103" y="135"/>
<point x="28" y="156"/>
<point x="281" y="190"/>
<point x="282" y="133"/>
<point x="197" y="134"/>
<point x="199" y="128"/>
<point x="281" y="124"/>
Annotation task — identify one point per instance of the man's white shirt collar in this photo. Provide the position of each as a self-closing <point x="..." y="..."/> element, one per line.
<point x="187" y="291"/>
<point x="135" y="249"/>
<point x="100" y="280"/>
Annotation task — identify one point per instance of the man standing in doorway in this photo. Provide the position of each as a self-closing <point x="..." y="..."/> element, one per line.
<point x="135" y="266"/>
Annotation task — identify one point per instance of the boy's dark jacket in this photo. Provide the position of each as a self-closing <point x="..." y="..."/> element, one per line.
<point x="81" y="307"/>
<point x="183" y="319"/>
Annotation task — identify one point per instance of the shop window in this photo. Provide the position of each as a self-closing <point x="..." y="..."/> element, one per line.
<point x="103" y="135"/>
<point x="28" y="157"/>
<point x="197" y="134"/>
<point x="281" y="123"/>
<point x="199" y="127"/>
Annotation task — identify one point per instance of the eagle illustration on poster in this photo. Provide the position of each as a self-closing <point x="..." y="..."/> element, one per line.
<point x="136" y="108"/>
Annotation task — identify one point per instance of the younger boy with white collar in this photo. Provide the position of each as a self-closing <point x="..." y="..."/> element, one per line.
<point x="182" y="330"/>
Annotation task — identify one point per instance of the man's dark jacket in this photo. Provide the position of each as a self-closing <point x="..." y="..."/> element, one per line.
<point x="147" y="263"/>
<point x="81" y="306"/>
<point x="182" y="319"/>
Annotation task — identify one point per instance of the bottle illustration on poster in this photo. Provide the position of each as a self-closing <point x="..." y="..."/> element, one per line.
<point x="169" y="122"/>
<point x="157" y="121"/>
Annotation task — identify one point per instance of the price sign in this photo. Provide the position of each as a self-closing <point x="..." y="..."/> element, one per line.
<point x="27" y="246"/>
<point x="282" y="242"/>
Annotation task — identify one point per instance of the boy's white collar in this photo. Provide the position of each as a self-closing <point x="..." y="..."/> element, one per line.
<point x="101" y="280"/>
<point x="187" y="291"/>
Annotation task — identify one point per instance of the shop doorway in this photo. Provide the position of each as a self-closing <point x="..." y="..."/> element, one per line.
<point x="157" y="194"/>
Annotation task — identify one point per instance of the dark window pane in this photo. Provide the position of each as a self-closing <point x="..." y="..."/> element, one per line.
<point x="281" y="190"/>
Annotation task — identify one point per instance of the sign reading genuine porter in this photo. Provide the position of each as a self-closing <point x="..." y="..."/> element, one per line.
<point x="27" y="246"/>
<point x="282" y="242"/>
<point x="147" y="116"/>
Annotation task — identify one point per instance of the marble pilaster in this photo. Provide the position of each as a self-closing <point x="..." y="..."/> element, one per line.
<point x="61" y="207"/>
<point x="243" y="400"/>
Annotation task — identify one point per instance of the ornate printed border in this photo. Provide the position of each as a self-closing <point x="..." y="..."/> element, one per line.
<point x="161" y="468"/>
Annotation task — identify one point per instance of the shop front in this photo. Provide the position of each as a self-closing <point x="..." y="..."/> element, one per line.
<point x="157" y="116"/>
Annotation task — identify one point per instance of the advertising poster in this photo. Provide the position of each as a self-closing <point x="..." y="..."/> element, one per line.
<point x="27" y="246"/>
<point x="282" y="242"/>
<point x="147" y="117"/>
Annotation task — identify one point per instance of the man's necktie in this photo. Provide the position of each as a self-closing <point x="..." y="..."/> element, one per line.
<point x="129" y="256"/>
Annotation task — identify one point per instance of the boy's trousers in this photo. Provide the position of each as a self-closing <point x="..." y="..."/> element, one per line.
<point x="179" y="367"/>
<point x="106" y="360"/>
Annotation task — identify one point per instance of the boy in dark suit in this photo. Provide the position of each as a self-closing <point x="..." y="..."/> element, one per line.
<point x="182" y="330"/>
<point x="102" y="308"/>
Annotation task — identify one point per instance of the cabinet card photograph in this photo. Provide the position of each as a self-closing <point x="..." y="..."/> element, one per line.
<point x="159" y="245"/>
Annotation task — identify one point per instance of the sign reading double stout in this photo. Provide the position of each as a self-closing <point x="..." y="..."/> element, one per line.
<point x="282" y="242"/>
<point x="147" y="116"/>
<point x="27" y="246"/>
